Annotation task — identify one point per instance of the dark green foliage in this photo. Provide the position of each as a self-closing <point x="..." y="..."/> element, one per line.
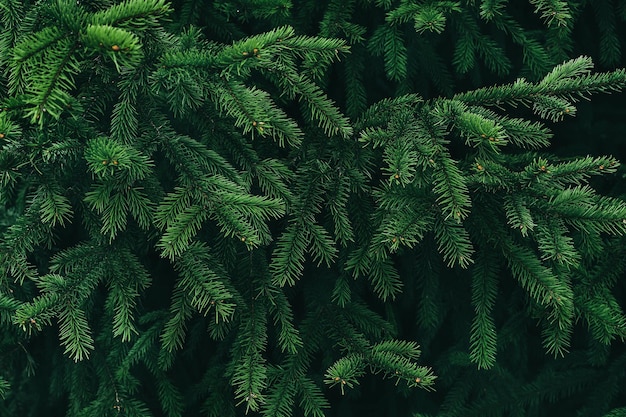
<point x="309" y="208"/>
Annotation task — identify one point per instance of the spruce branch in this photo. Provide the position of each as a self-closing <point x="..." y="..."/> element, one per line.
<point x="555" y="95"/>
<point x="250" y="370"/>
<point x="136" y="14"/>
<point x="553" y="12"/>
<point x="483" y="337"/>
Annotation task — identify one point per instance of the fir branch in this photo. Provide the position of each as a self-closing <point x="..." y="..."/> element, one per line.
<point x="553" y="12"/>
<point x="534" y="54"/>
<point x="610" y="48"/>
<point x="312" y="400"/>
<point x="564" y="85"/>
<point x="518" y="214"/>
<point x="546" y="289"/>
<point x="136" y="14"/>
<point x="74" y="333"/>
<point x="483" y="338"/>
<point x="356" y="94"/>
<point x="288" y="260"/>
<point x="55" y="208"/>
<point x="48" y="89"/>
<point x="254" y="110"/>
<point x="450" y="189"/>
<point x="122" y="47"/>
<point x="174" y="331"/>
<point x="453" y="243"/>
<point x="250" y="373"/>
<point x="320" y="107"/>
<point x="388" y="42"/>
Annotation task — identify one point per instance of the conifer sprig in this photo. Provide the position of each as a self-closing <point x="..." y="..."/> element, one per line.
<point x="555" y="96"/>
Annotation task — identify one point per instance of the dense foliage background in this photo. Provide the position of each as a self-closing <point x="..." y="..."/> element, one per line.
<point x="340" y="208"/>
